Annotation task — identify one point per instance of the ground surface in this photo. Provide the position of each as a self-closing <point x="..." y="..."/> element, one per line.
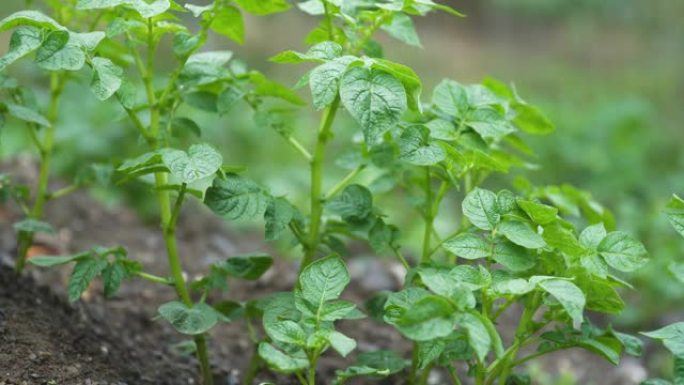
<point x="96" y="342"/>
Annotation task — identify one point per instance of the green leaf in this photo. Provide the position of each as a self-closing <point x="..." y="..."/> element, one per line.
<point x="376" y="100"/>
<point x="112" y="276"/>
<point x="193" y="320"/>
<point x="429" y="318"/>
<point x="29" y="18"/>
<point x="319" y="53"/>
<point x="31" y="225"/>
<point x="450" y="97"/>
<point x="145" y="9"/>
<point x="323" y="280"/>
<point x="279" y="213"/>
<point x="324" y="80"/>
<point x="632" y="344"/>
<point x="672" y="337"/>
<point x="107" y="78"/>
<point x="236" y="197"/>
<point x="521" y="234"/>
<point x="415" y="147"/>
<point x="228" y="22"/>
<point x="407" y="76"/>
<point x="199" y="162"/>
<point x="468" y="246"/>
<point x="563" y="238"/>
<point x="429" y="351"/>
<point x="622" y="251"/>
<point x="286" y="331"/>
<point x="250" y="267"/>
<point x="513" y="257"/>
<point x="489" y="123"/>
<point x="354" y="203"/>
<point x="228" y="98"/>
<point x="531" y="119"/>
<point x="84" y="272"/>
<point x="592" y="236"/>
<point x="59" y="53"/>
<point x="478" y="337"/>
<point x="401" y="28"/>
<point x="263" y="7"/>
<point x="281" y="361"/>
<point x="480" y="207"/>
<point x="397" y="304"/>
<point x="675" y="213"/>
<point x="23" y="41"/>
<point x="568" y="295"/>
<point x="50" y="261"/>
<point x="266" y="87"/>
<point x="540" y="213"/>
<point x="26" y="114"/>
<point x="341" y="343"/>
<point x="333" y="311"/>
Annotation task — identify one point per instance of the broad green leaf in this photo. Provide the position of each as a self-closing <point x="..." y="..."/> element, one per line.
<point x="506" y="201"/>
<point x="84" y="272"/>
<point x="563" y="239"/>
<point x="263" y="7"/>
<point x="107" y="78"/>
<point x="600" y="294"/>
<point x="592" y="236"/>
<point x="606" y="347"/>
<point x="250" y="267"/>
<point x="26" y="114"/>
<point x="622" y="251"/>
<point x="58" y="53"/>
<point x="632" y="344"/>
<point x="507" y="285"/>
<point x="286" y="331"/>
<point x="323" y="280"/>
<point x="429" y="351"/>
<point x="540" y="213"/>
<point x="468" y="246"/>
<point x="382" y="236"/>
<point x="333" y="311"/>
<point x="675" y="213"/>
<point x="397" y="304"/>
<point x="531" y="120"/>
<point x="672" y="337"/>
<point x="199" y="162"/>
<point x="228" y="22"/>
<point x="568" y="295"/>
<point x="278" y="216"/>
<point x="489" y="123"/>
<point x="595" y="265"/>
<point x="341" y="343"/>
<point x="266" y="87"/>
<point x="198" y="10"/>
<point x="228" y="98"/>
<point x="442" y="129"/>
<point x="31" y="225"/>
<point x="312" y="7"/>
<point x="235" y="197"/>
<point x="415" y="147"/>
<point x="429" y="318"/>
<point x="407" y="76"/>
<point x="379" y="363"/>
<point x="193" y="320"/>
<point x="281" y="361"/>
<point x="471" y="277"/>
<point x="439" y="281"/>
<point x="324" y="80"/>
<point x="87" y="41"/>
<point x="478" y="337"/>
<point x="354" y="203"/>
<point x="144" y="8"/>
<point x="29" y="18"/>
<point x="401" y="28"/>
<point x="320" y="53"/>
<point x="23" y="41"/>
<point x="513" y="257"/>
<point x="376" y="100"/>
<point x="451" y="98"/>
<point x="480" y="207"/>
<point x="521" y="234"/>
<point x="677" y="270"/>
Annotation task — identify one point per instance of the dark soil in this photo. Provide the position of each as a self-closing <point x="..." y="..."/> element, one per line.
<point x="44" y="340"/>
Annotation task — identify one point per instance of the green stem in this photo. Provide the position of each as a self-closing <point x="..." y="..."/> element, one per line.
<point x="63" y="191"/>
<point x="324" y="134"/>
<point x="343" y="183"/>
<point x="429" y="217"/>
<point x="252" y="368"/>
<point x="425" y="375"/>
<point x="453" y="375"/>
<point x="413" y="371"/>
<point x="154" y="278"/>
<point x="168" y="215"/>
<point x="25" y="239"/>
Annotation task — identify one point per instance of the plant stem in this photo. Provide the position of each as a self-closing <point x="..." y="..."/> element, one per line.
<point x="343" y="183"/>
<point x="413" y="373"/>
<point x="429" y="218"/>
<point x="154" y="278"/>
<point x="25" y="239"/>
<point x="453" y="375"/>
<point x="252" y="368"/>
<point x="169" y="217"/>
<point x="324" y="134"/>
<point x="425" y="375"/>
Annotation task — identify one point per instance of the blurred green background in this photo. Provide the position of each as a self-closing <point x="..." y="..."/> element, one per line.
<point x="609" y="74"/>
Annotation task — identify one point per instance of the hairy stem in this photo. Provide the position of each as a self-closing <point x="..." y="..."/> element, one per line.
<point x="25" y="239"/>
<point x="429" y="217"/>
<point x="324" y="134"/>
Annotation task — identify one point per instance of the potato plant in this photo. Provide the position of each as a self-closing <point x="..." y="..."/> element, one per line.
<point x="547" y="254"/>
